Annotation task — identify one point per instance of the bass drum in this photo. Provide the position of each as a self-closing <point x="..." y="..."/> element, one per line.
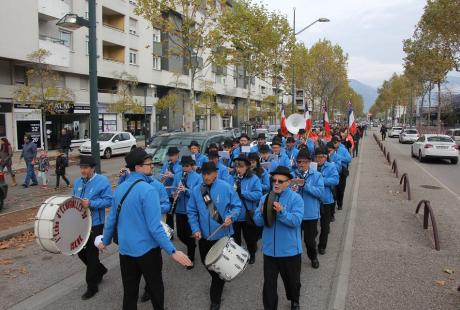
<point x="62" y="225"/>
<point x="169" y="231"/>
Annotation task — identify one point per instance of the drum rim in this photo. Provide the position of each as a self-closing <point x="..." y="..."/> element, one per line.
<point x="220" y="254"/>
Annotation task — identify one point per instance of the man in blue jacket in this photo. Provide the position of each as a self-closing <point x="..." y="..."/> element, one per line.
<point x="275" y="159"/>
<point x="291" y="151"/>
<point x="346" y="160"/>
<point x="199" y="158"/>
<point x="222" y="206"/>
<point x="29" y="154"/>
<point x="331" y="179"/>
<point x="222" y="171"/>
<point x="140" y="233"/>
<point x="243" y="147"/>
<point x="310" y="186"/>
<point x="281" y="241"/>
<point x="261" y="140"/>
<point x="249" y="190"/>
<point x="95" y="190"/>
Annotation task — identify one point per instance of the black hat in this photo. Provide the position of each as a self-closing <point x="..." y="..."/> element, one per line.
<point x="244" y="159"/>
<point x="335" y="139"/>
<point x="320" y="151"/>
<point x="228" y="143"/>
<point x="330" y="145"/>
<point x="276" y="142"/>
<point x="264" y="149"/>
<point x="282" y="170"/>
<point x="187" y="160"/>
<point x="213" y="154"/>
<point x="194" y="143"/>
<point x="290" y="140"/>
<point x="172" y="150"/>
<point x="236" y="140"/>
<point x="301" y="131"/>
<point x="136" y="157"/>
<point x="253" y="156"/>
<point x="243" y="135"/>
<point x="261" y="136"/>
<point x="213" y="146"/>
<point x="208" y="167"/>
<point x="87" y="161"/>
<point x="303" y="154"/>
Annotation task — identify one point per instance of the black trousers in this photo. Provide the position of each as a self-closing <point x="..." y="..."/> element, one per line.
<point x="184" y="232"/>
<point x="383" y="136"/>
<point x="356" y="149"/>
<point x="250" y="233"/>
<point x="341" y="186"/>
<point x="326" y="213"/>
<point x="217" y="284"/>
<point x="170" y="217"/>
<point x="58" y="176"/>
<point x="289" y="268"/>
<point x="149" y="266"/>
<point x="310" y="231"/>
<point x="89" y="255"/>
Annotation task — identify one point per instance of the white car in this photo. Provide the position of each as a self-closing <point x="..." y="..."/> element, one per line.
<point x="435" y="146"/>
<point x="394" y="132"/>
<point x="408" y="135"/>
<point x="111" y="143"/>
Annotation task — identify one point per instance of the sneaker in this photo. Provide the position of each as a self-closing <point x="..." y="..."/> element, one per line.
<point x="34" y="184"/>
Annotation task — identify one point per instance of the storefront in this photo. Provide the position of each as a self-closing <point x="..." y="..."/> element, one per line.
<point x="6" y="118"/>
<point x="27" y="121"/>
<point x="134" y="123"/>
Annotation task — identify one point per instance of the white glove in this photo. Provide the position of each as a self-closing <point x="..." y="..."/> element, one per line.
<point x="98" y="240"/>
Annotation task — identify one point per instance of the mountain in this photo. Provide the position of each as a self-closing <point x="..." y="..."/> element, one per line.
<point x="453" y="83"/>
<point x="368" y="93"/>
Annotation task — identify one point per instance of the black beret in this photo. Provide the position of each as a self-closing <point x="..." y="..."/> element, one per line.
<point x="136" y="157"/>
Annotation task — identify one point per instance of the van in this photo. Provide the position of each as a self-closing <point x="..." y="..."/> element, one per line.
<point x="454" y="134"/>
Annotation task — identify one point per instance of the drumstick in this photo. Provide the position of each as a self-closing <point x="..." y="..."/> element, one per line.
<point x="219" y="228"/>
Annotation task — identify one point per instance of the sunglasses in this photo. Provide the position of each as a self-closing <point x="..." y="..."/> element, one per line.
<point x="278" y="181"/>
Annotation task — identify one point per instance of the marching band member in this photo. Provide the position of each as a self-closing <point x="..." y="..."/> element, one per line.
<point x="336" y="159"/>
<point x="95" y="190"/>
<point x="330" y="179"/>
<point x="222" y="171"/>
<point x="346" y="160"/>
<point x="311" y="192"/>
<point x="260" y="172"/>
<point x="261" y="140"/>
<point x="291" y="151"/>
<point x="188" y="181"/>
<point x="170" y="169"/>
<point x="281" y="242"/>
<point x="227" y="147"/>
<point x="139" y="232"/>
<point x="277" y="158"/>
<point x="199" y="158"/>
<point x="249" y="190"/>
<point x="244" y="141"/>
<point x="213" y="203"/>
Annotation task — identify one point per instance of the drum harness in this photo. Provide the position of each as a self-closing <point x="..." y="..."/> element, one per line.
<point x="206" y="194"/>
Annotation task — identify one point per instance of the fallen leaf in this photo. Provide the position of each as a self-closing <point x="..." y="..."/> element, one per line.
<point x="440" y="282"/>
<point x="6" y="261"/>
<point x="449" y="271"/>
<point x="23" y="270"/>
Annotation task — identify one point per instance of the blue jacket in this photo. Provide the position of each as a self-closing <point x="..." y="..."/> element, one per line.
<point x="176" y="170"/>
<point x="255" y="149"/>
<point x="29" y="151"/>
<point x="282" y="160"/>
<point x="251" y="192"/>
<point x="139" y="227"/>
<point x="284" y="237"/>
<point x="236" y="152"/>
<point x="265" y="182"/>
<point x="225" y="200"/>
<point x="330" y="179"/>
<point x="200" y="159"/>
<point x="222" y="173"/>
<point x="164" y="197"/>
<point x="311" y="193"/>
<point x="311" y="146"/>
<point x="337" y="160"/>
<point x="98" y="190"/>
<point x="192" y="180"/>
<point x="344" y="154"/>
<point x="292" y="155"/>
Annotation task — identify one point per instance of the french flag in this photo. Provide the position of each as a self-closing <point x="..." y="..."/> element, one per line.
<point x="307" y="119"/>
<point x="327" y="127"/>
<point x="284" y="130"/>
<point x="351" y="119"/>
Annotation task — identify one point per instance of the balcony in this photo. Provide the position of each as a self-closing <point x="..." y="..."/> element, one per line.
<point x="59" y="53"/>
<point x="113" y="52"/>
<point x="112" y="19"/>
<point x="52" y="9"/>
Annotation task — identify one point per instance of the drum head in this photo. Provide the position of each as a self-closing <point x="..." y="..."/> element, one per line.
<point x="268" y="213"/>
<point x="215" y="251"/>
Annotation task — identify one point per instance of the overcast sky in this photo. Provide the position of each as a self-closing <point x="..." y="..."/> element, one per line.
<point x="370" y="31"/>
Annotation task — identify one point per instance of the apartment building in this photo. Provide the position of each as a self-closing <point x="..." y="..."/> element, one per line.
<point x="125" y="43"/>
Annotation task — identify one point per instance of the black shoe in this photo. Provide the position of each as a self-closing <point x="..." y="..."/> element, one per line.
<point x="252" y="259"/>
<point x="88" y="294"/>
<point x="34" y="184"/>
<point x="145" y="297"/>
<point x="339" y="207"/>
<point x="295" y="305"/>
<point x="321" y="251"/>
<point x="190" y="267"/>
<point x="102" y="276"/>
<point x="25" y="186"/>
<point x="315" y="263"/>
<point x="332" y="218"/>
<point x="215" y="307"/>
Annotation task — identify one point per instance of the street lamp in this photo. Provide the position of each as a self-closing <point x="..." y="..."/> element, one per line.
<point x="74" y="22"/>
<point x="319" y="20"/>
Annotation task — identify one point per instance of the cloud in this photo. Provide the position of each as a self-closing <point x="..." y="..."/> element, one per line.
<point x="371" y="72"/>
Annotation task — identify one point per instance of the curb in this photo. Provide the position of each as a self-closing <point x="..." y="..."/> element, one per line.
<point x="14" y="231"/>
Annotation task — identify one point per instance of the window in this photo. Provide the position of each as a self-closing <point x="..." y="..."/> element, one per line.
<point x="65" y="37"/>
<point x="19" y="75"/>
<point x="117" y="137"/>
<point x="262" y="90"/>
<point x="157" y="62"/>
<point x="132" y="57"/>
<point x="133" y="26"/>
<point x="84" y="84"/>
<point x="156" y="35"/>
<point x="126" y="136"/>
<point x="226" y="123"/>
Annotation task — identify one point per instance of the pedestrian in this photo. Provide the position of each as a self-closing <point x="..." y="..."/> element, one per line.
<point x="211" y="205"/>
<point x="356" y="138"/>
<point x="6" y="159"/>
<point x="383" y="131"/>
<point x="281" y="241"/>
<point x="29" y="154"/>
<point x="61" y="165"/>
<point x="134" y="223"/>
<point x="95" y="190"/>
<point x="43" y="168"/>
<point x="65" y="141"/>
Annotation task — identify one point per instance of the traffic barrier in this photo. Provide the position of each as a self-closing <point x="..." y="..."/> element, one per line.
<point x="385" y="151"/>
<point x="428" y="212"/>
<point x="394" y="167"/>
<point x="388" y="157"/>
<point x="406" y="186"/>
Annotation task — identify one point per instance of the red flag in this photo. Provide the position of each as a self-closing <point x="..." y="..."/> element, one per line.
<point x="327" y="127"/>
<point x="351" y="120"/>
<point x="307" y="120"/>
<point x="284" y="130"/>
<point x="349" y="138"/>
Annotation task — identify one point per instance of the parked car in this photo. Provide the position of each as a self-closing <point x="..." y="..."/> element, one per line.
<point x="409" y="135"/>
<point x="394" y="132"/>
<point x="454" y="134"/>
<point x="3" y="189"/>
<point x="111" y="143"/>
<point x="435" y="146"/>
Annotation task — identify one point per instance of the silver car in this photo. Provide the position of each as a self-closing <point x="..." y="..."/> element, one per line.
<point x="408" y="135"/>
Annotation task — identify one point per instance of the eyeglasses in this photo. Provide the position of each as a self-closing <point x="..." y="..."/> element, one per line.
<point x="278" y="181"/>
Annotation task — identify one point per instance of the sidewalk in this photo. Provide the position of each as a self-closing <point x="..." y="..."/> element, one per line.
<point x="19" y="165"/>
<point x="393" y="262"/>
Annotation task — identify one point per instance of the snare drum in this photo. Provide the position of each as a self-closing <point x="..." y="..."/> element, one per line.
<point x="169" y="231"/>
<point x="227" y="259"/>
<point x="62" y="225"/>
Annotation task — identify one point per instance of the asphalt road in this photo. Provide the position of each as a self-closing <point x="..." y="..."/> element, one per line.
<point x="442" y="170"/>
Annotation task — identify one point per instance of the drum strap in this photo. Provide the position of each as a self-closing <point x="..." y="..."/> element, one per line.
<point x="206" y="193"/>
<point x="115" y="235"/>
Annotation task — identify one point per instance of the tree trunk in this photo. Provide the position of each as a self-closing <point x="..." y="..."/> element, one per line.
<point x="45" y="136"/>
<point x="248" y="99"/>
<point x="190" y="114"/>
<point x="421" y="110"/>
<point x="429" y="106"/>
<point x="439" y="109"/>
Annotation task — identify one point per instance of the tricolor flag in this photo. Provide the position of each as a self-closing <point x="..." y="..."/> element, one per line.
<point x="284" y="130"/>
<point x="351" y="119"/>
<point x="327" y="127"/>
<point x="307" y="119"/>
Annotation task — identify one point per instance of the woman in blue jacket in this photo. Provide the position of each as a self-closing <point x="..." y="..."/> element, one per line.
<point x="249" y="190"/>
<point x="260" y="172"/>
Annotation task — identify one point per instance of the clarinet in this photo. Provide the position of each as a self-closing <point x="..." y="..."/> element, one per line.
<point x="170" y="169"/>
<point x="176" y="195"/>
